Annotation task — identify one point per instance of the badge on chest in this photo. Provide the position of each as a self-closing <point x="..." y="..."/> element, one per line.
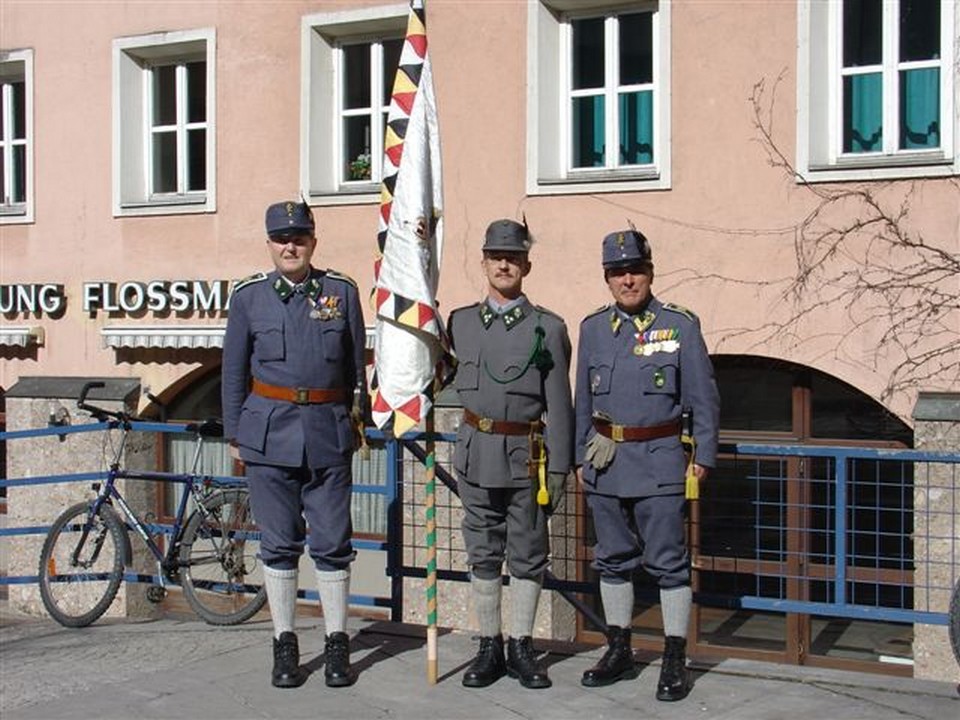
<point x="327" y="307"/>
<point x="653" y="341"/>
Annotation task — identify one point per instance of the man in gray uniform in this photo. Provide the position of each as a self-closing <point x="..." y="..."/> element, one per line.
<point x="293" y="391"/>
<point x="641" y="364"/>
<point x="514" y="449"/>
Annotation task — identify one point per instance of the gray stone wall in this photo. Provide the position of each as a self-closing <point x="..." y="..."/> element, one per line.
<point x="936" y="532"/>
<point x="40" y="505"/>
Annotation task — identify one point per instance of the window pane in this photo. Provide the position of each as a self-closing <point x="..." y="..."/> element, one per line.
<point x="588" y="138"/>
<point x="636" y="128"/>
<point x="356" y="76"/>
<point x="863" y="113"/>
<point x="636" y="49"/>
<point x="587" y="53"/>
<point x="920" y="108"/>
<point x="196" y="92"/>
<point x="3" y="182"/>
<point x="3" y="95"/>
<point x="356" y="134"/>
<point x="19" y="174"/>
<point x="164" y="162"/>
<point x="19" y="110"/>
<point x="862" y="32"/>
<point x="196" y="159"/>
<point x="391" y="59"/>
<point x="165" y="95"/>
<point x="755" y="394"/>
<point x="919" y="30"/>
<point x="843" y="412"/>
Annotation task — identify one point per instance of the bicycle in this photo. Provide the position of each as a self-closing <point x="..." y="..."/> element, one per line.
<point x="87" y="548"/>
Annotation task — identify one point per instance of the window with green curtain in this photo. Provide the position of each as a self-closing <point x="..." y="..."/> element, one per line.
<point x="920" y="108"/>
<point x="588" y="128"/>
<point x="863" y="113"/>
<point x="636" y="128"/>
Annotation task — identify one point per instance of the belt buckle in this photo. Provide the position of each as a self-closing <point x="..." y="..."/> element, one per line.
<point x="485" y="424"/>
<point x="303" y="396"/>
<point x="616" y="431"/>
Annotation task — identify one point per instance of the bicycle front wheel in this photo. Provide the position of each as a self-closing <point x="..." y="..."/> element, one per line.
<point x="81" y="564"/>
<point x="218" y="558"/>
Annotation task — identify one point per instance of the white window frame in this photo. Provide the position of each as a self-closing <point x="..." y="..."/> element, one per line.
<point x="321" y="111"/>
<point x="133" y="61"/>
<point x="18" y="64"/>
<point x="548" y="114"/>
<point x="820" y="101"/>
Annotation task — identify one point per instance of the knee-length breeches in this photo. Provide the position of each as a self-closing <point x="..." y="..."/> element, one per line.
<point x="648" y="531"/>
<point x="294" y="505"/>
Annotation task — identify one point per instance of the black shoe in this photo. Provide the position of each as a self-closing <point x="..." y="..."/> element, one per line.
<point x="674" y="683"/>
<point x="286" y="662"/>
<point x="336" y="652"/>
<point x="522" y="664"/>
<point x="488" y="666"/>
<point x="616" y="663"/>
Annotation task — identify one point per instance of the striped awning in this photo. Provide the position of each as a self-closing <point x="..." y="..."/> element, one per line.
<point x="21" y="336"/>
<point x="174" y="336"/>
<point x="163" y="336"/>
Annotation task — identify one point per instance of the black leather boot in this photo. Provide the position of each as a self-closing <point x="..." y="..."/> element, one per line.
<point x="488" y="666"/>
<point x="336" y="652"/>
<point x="616" y="663"/>
<point x="522" y="664"/>
<point x="674" y="683"/>
<point x="286" y="662"/>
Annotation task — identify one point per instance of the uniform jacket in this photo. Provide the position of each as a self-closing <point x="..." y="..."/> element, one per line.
<point x="313" y="340"/>
<point x="497" y="379"/>
<point x="644" y="378"/>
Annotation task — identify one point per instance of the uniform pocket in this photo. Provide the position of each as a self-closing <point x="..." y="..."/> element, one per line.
<point x="334" y="340"/>
<point x="461" y="451"/>
<point x="600" y="373"/>
<point x="267" y="340"/>
<point x="660" y="379"/>
<point x="468" y="373"/>
<point x="253" y="425"/>
<point x="521" y="378"/>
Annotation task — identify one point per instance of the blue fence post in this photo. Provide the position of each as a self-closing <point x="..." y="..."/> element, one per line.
<point x="840" y="535"/>
<point x="395" y="528"/>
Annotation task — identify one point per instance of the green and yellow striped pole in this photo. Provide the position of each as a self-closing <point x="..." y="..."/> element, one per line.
<point x="430" y="501"/>
<point x="431" y="533"/>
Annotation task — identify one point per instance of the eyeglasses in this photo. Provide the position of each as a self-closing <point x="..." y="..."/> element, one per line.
<point x="298" y="240"/>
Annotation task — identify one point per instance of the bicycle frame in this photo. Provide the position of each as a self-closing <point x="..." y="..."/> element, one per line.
<point x="167" y="562"/>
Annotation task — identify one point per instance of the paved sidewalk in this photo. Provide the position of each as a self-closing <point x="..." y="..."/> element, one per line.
<point x="186" y="669"/>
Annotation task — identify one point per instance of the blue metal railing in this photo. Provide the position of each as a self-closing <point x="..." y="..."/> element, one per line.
<point x="838" y="522"/>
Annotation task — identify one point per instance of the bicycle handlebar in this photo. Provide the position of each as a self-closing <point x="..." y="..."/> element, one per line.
<point x="98" y="413"/>
<point x="212" y="427"/>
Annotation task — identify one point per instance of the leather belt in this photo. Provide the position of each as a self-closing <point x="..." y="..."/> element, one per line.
<point x="300" y="395"/>
<point x="501" y="427"/>
<point x="622" y="433"/>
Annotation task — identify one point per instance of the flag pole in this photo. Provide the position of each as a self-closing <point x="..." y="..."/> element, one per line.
<point x="431" y="537"/>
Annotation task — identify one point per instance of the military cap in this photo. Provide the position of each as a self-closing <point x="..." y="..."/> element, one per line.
<point x="507" y="235"/>
<point x="626" y="247"/>
<point x="289" y="218"/>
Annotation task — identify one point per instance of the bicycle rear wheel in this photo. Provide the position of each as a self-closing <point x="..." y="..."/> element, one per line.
<point x="218" y="557"/>
<point x="81" y="564"/>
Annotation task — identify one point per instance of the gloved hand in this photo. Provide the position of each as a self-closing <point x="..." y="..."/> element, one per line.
<point x="557" y="488"/>
<point x="600" y="451"/>
<point x="357" y="421"/>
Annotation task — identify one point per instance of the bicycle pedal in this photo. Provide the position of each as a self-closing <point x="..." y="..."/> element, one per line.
<point x="156" y="593"/>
